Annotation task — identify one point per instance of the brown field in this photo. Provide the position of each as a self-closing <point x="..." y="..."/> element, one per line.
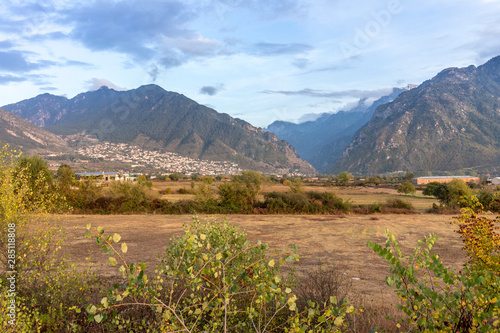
<point x="333" y="239"/>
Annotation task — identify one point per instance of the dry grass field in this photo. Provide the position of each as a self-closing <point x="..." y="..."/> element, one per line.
<point x="356" y="195"/>
<point x="331" y="239"/>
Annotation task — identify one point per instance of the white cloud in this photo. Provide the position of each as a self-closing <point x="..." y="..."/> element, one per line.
<point x="95" y="83"/>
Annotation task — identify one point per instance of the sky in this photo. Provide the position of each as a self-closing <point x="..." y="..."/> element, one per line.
<point x="258" y="60"/>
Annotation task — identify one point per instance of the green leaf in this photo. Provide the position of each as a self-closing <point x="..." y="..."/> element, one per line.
<point x="112" y="261"/>
<point x="91" y="309"/>
<point x="338" y="321"/>
<point x="116" y="238"/>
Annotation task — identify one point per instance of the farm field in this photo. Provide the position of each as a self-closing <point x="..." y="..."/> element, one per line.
<point x="331" y="239"/>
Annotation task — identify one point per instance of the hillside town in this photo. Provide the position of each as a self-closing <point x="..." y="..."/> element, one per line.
<point x="163" y="161"/>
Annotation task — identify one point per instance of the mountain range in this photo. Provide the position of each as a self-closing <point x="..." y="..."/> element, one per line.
<point x="152" y="118"/>
<point x="450" y="122"/>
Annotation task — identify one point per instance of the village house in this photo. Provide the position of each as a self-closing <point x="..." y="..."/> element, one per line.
<point x="106" y="176"/>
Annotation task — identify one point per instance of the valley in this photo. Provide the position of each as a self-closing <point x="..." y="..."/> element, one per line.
<point x="249" y="166"/>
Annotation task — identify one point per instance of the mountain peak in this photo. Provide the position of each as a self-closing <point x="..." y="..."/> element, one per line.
<point x="151" y="87"/>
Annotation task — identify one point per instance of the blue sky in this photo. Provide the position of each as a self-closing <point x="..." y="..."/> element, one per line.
<point x="258" y="60"/>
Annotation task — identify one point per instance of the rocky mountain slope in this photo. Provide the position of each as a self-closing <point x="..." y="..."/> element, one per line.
<point x="448" y="123"/>
<point x="21" y="134"/>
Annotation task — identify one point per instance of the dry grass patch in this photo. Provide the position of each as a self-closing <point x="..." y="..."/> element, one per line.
<point x="329" y="239"/>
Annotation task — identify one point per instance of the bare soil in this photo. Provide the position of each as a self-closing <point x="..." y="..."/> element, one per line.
<point x="333" y="239"/>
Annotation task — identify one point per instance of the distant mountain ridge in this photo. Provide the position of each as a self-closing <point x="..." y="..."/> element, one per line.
<point x="49" y="110"/>
<point x="322" y="141"/>
<point x="448" y="123"/>
<point x="153" y="118"/>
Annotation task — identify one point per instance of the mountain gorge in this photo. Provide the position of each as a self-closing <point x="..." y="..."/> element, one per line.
<point x="152" y="118"/>
<point x="322" y="141"/>
<point x="448" y="123"/>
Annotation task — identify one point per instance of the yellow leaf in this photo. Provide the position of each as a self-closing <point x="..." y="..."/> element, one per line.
<point x="116" y="238"/>
<point x="271" y="263"/>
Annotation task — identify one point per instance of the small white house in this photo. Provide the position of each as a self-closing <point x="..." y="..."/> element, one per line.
<point x="107" y="176"/>
<point x="496" y="181"/>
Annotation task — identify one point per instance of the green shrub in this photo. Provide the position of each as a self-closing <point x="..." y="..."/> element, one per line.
<point x="296" y="185"/>
<point x="450" y="193"/>
<point x="168" y="190"/>
<point x="330" y="201"/>
<point x="86" y="193"/>
<point x="376" y="207"/>
<point x="489" y="199"/>
<point x="213" y="279"/>
<point x="430" y="187"/>
<point x="436" y="298"/>
<point x="46" y="284"/>
<point x="242" y="190"/>
<point x="343" y="178"/>
<point x="398" y="203"/>
<point x="306" y="203"/>
<point x="406" y="187"/>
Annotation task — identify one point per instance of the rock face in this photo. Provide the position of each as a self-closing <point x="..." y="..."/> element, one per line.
<point x="21" y="134"/>
<point x="153" y="118"/>
<point x="322" y="141"/>
<point x="448" y="123"/>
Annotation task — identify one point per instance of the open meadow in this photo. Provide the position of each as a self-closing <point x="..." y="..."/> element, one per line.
<point x="338" y="240"/>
